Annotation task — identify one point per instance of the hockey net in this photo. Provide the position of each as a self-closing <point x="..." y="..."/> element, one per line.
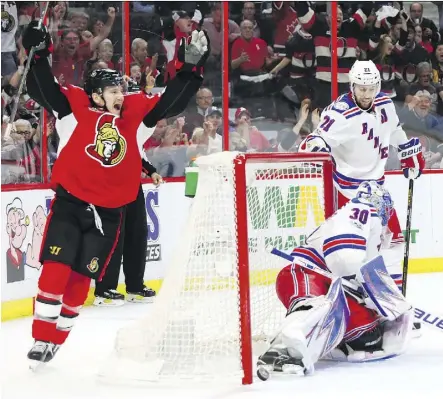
<point x="217" y="302"/>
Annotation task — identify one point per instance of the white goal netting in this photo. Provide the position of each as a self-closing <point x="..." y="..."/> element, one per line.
<point x="193" y="330"/>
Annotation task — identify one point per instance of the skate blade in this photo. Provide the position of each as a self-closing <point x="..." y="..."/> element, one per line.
<point x="293" y="369"/>
<point x="109" y="304"/>
<point x="265" y="371"/>
<point x="36" y="365"/>
<point x="135" y="299"/>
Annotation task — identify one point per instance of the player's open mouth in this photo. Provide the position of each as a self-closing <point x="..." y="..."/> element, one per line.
<point x="118" y="107"/>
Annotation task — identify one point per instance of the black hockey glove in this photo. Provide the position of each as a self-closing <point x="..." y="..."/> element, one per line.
<point x="194" y="54"/>
<point x="39" y="38"/>
<point x="367" y="7"/>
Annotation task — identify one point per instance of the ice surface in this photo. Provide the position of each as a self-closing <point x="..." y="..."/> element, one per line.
<point x="73" y="373"/>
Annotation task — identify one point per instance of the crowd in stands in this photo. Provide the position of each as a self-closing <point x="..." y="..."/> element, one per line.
<point x="279" y="72"/>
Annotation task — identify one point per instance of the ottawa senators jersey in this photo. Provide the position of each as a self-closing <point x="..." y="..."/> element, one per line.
<point x="99" y="159"/>
<point x="360" y="140"/>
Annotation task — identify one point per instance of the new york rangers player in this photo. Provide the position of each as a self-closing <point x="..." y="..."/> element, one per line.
<point x="341" y="302"/>
<point x="357" y="129"/>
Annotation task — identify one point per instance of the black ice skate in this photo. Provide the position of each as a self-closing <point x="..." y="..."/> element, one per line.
<point x="109" y="298"/>
<point x="42" y="352"/>
<point x="278" y="360"/>
<point x="145" y="295"/>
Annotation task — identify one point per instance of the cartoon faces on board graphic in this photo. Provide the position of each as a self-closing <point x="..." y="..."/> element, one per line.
<point x="33" y="251"/>
<point x="16" y="228"/>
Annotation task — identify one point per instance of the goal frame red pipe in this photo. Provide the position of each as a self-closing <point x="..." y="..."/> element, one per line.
<point x="241" y="218"/>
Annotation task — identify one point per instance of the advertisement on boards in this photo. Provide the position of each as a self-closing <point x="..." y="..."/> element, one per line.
<point x="23" y="224"/>
<point x="154" y="248"/>
<point x="273" y="222"/>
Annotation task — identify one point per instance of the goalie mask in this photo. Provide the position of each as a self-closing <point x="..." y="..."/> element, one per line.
<point x="373" y="194"/>
<point x="365" y="82"/>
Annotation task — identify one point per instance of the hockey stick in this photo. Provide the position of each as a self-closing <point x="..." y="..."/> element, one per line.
<point x="429" y="319"/>
<point x="407" y="236"/>
<point x="422" y="315"/>
<point x="25" y="74"/>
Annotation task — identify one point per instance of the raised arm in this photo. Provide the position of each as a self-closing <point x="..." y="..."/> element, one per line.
<point x="173" y="101"/>
<point x="41" y="83"/>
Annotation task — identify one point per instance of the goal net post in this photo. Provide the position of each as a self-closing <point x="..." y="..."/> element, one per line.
<point x="218" y="300"/>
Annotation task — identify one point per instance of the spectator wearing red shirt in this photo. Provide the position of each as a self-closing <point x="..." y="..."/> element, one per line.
<point x="249" y="54"/>
<point x="285" y="19"/>
<point x="70" y="57"/>
<point x="156" y="139"/>
<point x="70" y="54"/>
<point x="427" y="45"/>
<point x="139" y="55"/>
<point x="254" y="139"/>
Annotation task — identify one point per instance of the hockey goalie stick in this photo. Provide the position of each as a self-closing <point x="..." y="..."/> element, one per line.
<point x="428" y="318"/>
<point x="25" y="74"/>
<point x="407" y="237"/>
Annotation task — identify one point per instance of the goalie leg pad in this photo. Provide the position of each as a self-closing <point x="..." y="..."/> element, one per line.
<point x="296" y="282"/>
<point x="394" y="341"/>
<point x="382" y="290"/>
<point x="398" y="333"/>
<point x="315" y="326"/>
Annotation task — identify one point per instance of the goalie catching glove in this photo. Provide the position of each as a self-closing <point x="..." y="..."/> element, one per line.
<point x="411" y="158"/>
<point x="193" y="55"/>
<point x="314" y="143"/>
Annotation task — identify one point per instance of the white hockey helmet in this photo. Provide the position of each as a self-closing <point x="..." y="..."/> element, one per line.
<point x="364" y="73"/>
<point x="374" y="194"/>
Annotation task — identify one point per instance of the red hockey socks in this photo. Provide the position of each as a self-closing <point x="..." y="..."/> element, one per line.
<point x="48" y="303"/>
<point x="61" y="293"/>
<point x="75" y="296"/>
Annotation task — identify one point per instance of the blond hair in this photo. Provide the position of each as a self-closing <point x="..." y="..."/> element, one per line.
<point x="197" y="134"/>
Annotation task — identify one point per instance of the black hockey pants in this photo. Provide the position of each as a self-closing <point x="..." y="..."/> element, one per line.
<point x="131" y="246"/>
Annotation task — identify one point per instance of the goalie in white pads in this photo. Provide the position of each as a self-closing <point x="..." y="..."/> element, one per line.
<point x="357" y="129"/>
<point x="341" y="302"/>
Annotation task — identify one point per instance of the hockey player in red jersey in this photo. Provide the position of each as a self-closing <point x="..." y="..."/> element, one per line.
<point x="102" y="131"/>
<point x="341" y="303"/>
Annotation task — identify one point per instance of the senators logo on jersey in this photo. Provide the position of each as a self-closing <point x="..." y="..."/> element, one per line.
<point x="110" y="147"/>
